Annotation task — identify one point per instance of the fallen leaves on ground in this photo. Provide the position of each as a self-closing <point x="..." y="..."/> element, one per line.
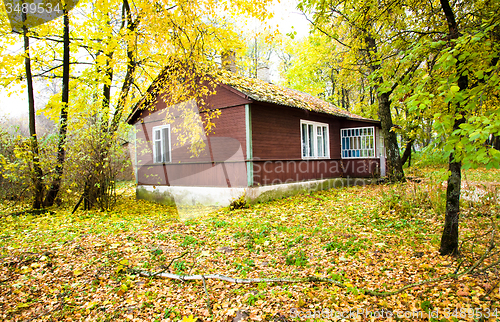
<point x="74" y="267"/>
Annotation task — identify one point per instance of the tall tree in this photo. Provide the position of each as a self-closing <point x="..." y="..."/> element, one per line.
<point x="449" y="238"/>
<point x="467" y="70"/>
<point x="55" y="185"/>
<point x="37" y="173"/>
<point x="460" y="87"/>
<point x="371" y="36"/>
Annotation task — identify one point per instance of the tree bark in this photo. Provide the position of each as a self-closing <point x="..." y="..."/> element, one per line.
<point x="394" y="167"/>
<point x="99" y="188"/>
<point x="38" y="174"/>
<point x="449" y="238"/>
<point x="495" y="142"/>
<point x="131" y="65"/>
<point x="407" y="153"/>
<point x="63" y="121"/>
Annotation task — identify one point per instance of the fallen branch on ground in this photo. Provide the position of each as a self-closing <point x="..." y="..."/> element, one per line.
<point x="310" y="279"/>
<point x="315" y="279"/>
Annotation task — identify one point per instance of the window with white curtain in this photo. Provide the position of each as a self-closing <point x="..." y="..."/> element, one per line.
<point x="315" y="139"/>
<point x="161" y="144"/>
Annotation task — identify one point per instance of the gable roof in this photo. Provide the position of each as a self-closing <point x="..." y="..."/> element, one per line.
<point x="261" y="91"/>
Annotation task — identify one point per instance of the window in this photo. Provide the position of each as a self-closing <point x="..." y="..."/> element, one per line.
<point x="358" y="142"/>
<point x="314" y="139"/>
<point x="161" y="144"/>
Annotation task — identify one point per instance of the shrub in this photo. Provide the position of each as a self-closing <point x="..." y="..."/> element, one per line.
<point x="409" y="199"/>
<point x="240" y="203"/>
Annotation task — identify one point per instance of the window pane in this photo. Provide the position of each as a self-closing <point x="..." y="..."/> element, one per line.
<point x="325" y="141"/>
<point x="304" y="140"/>
<point x="166" y="148"/>
<point x="158" y="150"/>
<point x="319" y="141"/>
<point x="310" y="140"/>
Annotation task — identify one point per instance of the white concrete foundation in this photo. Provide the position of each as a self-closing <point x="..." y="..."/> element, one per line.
<point x="222" y="197"/>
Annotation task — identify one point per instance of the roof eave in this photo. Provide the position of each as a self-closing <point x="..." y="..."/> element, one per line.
<point x="363" y="120"/>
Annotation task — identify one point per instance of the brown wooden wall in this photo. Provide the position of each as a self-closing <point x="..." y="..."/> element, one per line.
<point x="277" y="147"/>
<point x="227" y="138"/>
<point x="225" y="144"/>
<point x="276" y="131"/>
<point x="226" y="97"/>
<point x="227" y="174"/>
<point x="275" y="172"/>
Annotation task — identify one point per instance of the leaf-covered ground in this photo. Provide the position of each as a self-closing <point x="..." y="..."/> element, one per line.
<point x="74" y="267"/>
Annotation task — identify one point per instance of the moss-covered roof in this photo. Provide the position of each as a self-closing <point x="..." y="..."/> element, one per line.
<point x="262" y="91"/>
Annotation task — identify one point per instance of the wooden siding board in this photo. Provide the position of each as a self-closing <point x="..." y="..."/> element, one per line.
<point x="194" y="174"/>
<point x="226" y="97"/>
<point x="277" y="172"/>
<point x="226" y="142"/>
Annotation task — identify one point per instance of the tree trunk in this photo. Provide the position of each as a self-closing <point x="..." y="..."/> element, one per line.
<point x="38" y="174"/>
<point x="100" y="189"/>
<point x="407" y="153"/>
<point x="449" y="239"/>
<point x="495" y="142"/>
<point x="61" y="149"/>
<point x="131" y="65"/>
<point x="394" y="166"/>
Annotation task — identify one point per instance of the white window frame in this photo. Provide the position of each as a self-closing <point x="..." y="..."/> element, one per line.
<point x="326" y="136"/>
<point x="355" y="143"/>
<point x="162" y="144"/>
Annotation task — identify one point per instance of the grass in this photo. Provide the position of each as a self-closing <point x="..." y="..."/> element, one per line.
<point x="64" y="266"/>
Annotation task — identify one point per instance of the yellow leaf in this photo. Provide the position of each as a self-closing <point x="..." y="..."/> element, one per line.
<point x="189" y="319"/>
<point x="35" y="265"/>
<point x="301" y="302"/>
<point x="90" y="305"/>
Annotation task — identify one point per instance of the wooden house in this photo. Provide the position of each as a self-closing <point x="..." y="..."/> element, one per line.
<point x="268" y="141"/>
